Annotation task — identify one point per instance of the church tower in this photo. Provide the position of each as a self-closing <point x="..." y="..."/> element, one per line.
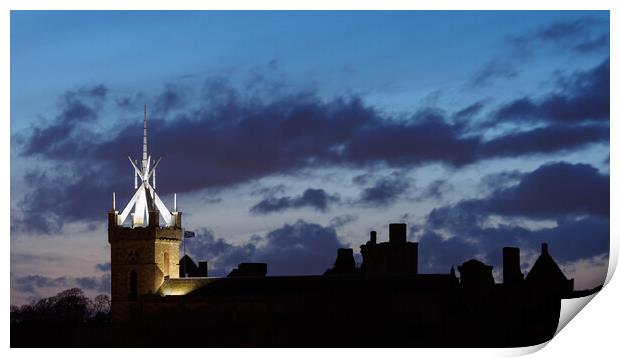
<point x="143" y="252"/>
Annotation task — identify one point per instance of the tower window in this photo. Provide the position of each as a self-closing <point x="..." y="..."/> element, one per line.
<point x="166" y="264"/>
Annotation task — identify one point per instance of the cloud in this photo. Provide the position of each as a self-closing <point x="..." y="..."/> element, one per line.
<point x="554" y="192"/>
<point x="317" y="199"/>
<point x="584" y="96"/>
<point x="31" y="283"/>
<point x="491" y="71"/>
<point x="342" y="220"/>
<point x="385" y="191"/>
<point x="435" y="190"/>
<point x="106" y="266"/>
<point x="572" y="239"/>
<point x="555" y="189"/>
<point x="495" y="181"/>
<point x="221" y="255"/>
<point x="269" y="191"/>
<point x="551" y="138"/>
<point x="57" y="138"/>
<point x="300" y="248"/>
<point x="96" y="283"/>
<point x="58" y="195"/>
<point x="582" y="35"/>
<point x="36" y="284"/>
<point x="232" y="137"/>
<point x="171" y="98"/>
<point x="438" y="255"/>
<point x="470" y="111"/>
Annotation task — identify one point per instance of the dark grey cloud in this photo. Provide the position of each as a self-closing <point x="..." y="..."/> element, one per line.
<point x="435" y="190"/>
<point x="438" y="255"/>
<point x="65" y="194"/>
<point x="551" y="138"/>
<point x="232" y="138"/>
<point x="470" y="111"/>
<point x="572" y="239"/>
<point x="269" y="191"/>
<point x="31" y="283"/>
<point x="300" y="248"/>
<point x="491" y="71"/>
<point x="555" y="191"/>
<point x="342" y="220"/>
<point x="362" y="179"/>
<point x="316" y="199"/>
<point x="106" y="266"/>
<point x="57" y="138"/>
<point x="173" y="97"/>
<point x="583" y="96"/>
<point x="34" y="283"/>
<point x="221" y="255"/>
<point x="97" y="283"/>
<point x="501" y="179"/>
<point x="581" y="35"/>
<point x="552" y="190"/>
<point x="385" y="191"/>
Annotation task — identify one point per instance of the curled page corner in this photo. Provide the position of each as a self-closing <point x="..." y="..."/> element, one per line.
<point x="570" y="308"/>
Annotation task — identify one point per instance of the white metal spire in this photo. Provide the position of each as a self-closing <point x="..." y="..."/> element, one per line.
<point x="145" y="198"/>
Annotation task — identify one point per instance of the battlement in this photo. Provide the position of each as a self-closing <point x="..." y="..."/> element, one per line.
<point x="146" y="233"/>
<point x="152" y="232"/>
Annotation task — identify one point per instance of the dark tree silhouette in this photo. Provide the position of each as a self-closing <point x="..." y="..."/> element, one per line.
<point x="62" y="320"/>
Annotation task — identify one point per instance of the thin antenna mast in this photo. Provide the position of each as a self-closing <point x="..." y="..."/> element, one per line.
<point x="144" y="155"/>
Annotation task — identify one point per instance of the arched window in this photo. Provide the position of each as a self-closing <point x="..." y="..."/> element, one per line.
<point x="166" y="264"/>
<point x="133" y="283"/>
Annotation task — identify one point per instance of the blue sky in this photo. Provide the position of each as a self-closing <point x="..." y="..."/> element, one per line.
<point x="314" y="126"/>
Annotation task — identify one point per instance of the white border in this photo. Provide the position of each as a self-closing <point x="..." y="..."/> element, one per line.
<point x="594" y="331"/>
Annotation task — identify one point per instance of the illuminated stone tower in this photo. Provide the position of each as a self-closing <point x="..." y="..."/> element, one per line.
<point x="143" y="252"/>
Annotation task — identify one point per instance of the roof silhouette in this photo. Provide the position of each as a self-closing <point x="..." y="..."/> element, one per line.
<point x="545" y="269"/>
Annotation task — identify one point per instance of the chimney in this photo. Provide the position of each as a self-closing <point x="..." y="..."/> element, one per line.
<point x="512" y="265"/>
<point x="373" y="237"/>
<point x="202" y="269"/>
<point x="544" y="248"/>
<point x="398" y="233"/>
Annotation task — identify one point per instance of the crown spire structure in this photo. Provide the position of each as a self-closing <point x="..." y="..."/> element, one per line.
<point x="145" y="198"/>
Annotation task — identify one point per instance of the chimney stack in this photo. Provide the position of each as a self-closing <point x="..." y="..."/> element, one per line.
<point x="373" y="237"/>
<point x="398" y="233"/>
<point x="512" y="266"/>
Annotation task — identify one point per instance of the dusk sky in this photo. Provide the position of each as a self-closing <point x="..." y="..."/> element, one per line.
<point x="287" y="135"/>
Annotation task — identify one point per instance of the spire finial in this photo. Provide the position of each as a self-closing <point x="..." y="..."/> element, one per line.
<point x="113" y="201"/>
<point x="144" y="154"/>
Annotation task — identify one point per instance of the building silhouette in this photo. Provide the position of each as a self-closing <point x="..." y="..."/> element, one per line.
<point x="188" y="268"/>
<point x="383" y="301"/>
